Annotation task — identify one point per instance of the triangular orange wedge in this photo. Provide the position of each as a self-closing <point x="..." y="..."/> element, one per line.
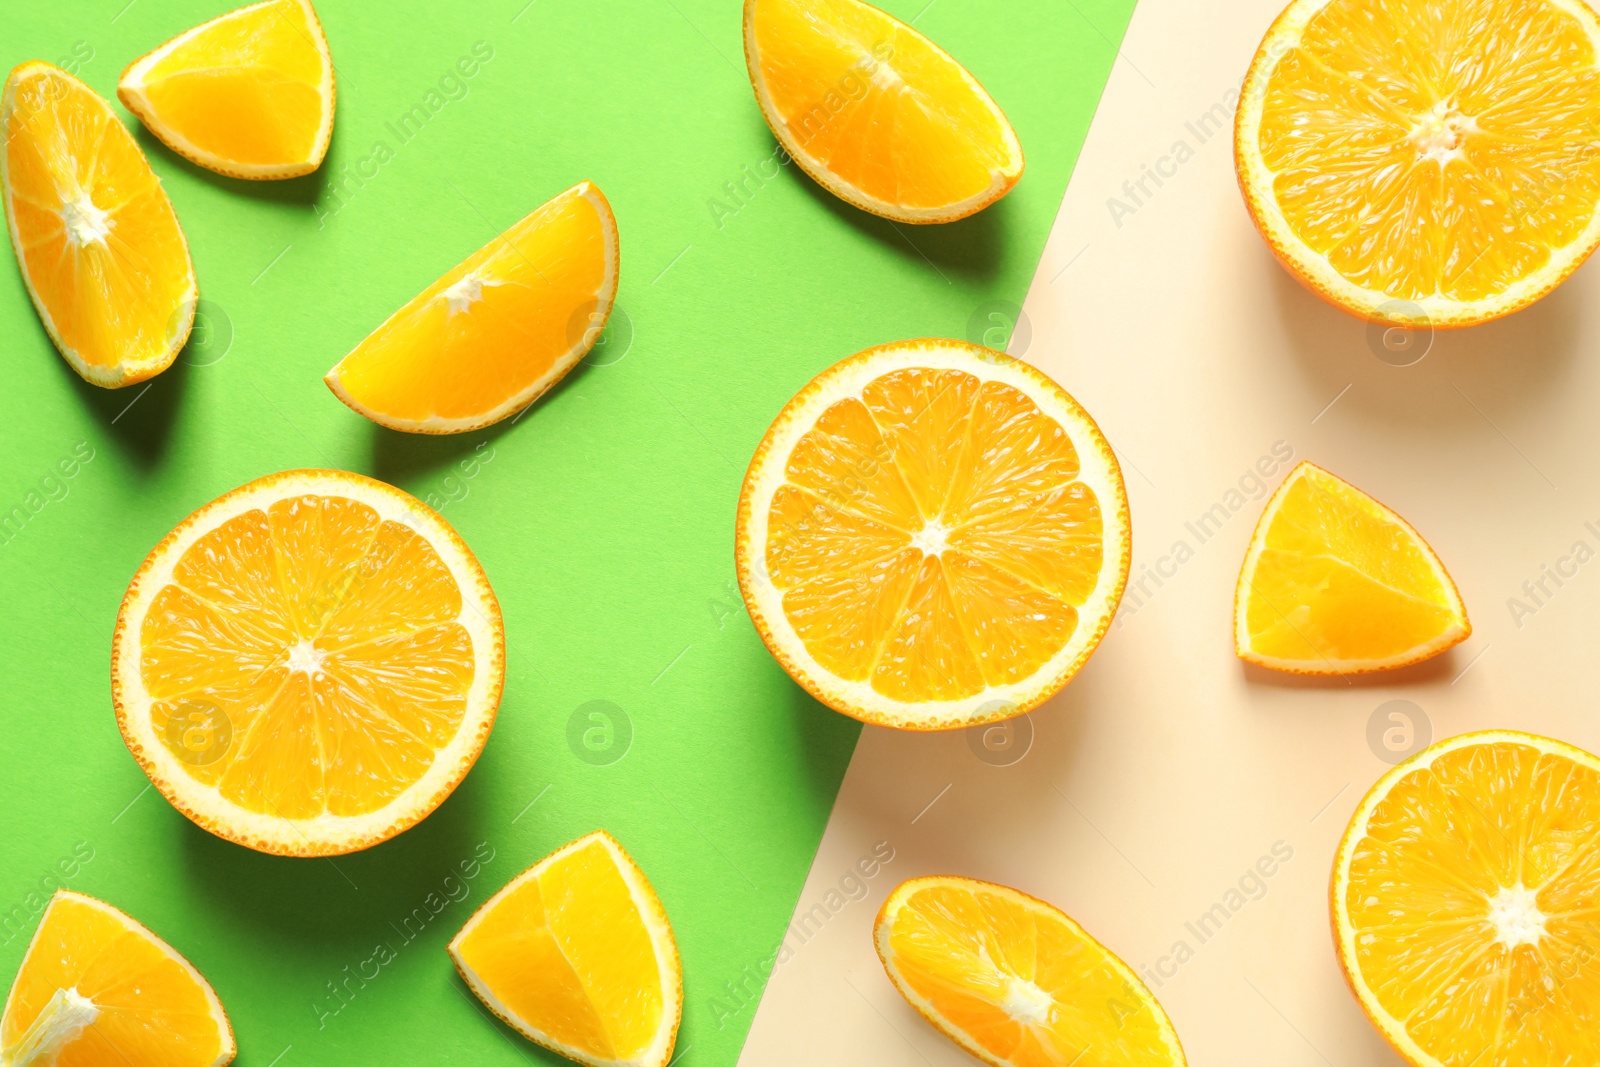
<point x="876" y="113"/>
<point x="96" y="989"/>
<point x="248" y="94"/>
<point x="487" y="339"/>
<point x="97" y="242"/>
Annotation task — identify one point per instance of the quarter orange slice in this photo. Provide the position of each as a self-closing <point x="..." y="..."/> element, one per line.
<point x="100" y="250"/>
<point x="1466" y="903"/>
<point x="1015" y="982"/>
<point x="1425" y="161"/>
<point x="1335" y="583"/>
<point x="248" y="94"/>
<point x="576" y="953"/>
<point x="932" y="535"/>
<point x="492" y="335"/>
<point x="309" y="664"/>
<point x="876" y="113"/>
<point x="96" y="989"/>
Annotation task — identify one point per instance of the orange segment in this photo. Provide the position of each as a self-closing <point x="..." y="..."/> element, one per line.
<point x="577" y="954"/>
<point x="931" y="535"/>
<point x="96" y="989"/>
<point x="1015" y="982"/>
<point x="1335" y="583"/>
<point x="1425" y="159"/>
<point x="248" y="94"/>
<point x="875" y="112"/>
<point x="309" y="664"/>
<point x="487" y="339"/>
<point x="99" y="247"/>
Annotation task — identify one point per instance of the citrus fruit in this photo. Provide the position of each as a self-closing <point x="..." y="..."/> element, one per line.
<point x="1335" y="583"/>
<point x="309" y="664"/>
<point x="576" y="953"/>
<point x="248" y="94"/>
<point x="96" y="989"/>
<point x="1015" y="982"/>
<point x="1425" y="161"/>
<point x="1466" y="903"/>
<point x="932" y="535"/>
<point x="876" y="113"/>
<point x="487" y="339"/>
<point x="100" y="250"/>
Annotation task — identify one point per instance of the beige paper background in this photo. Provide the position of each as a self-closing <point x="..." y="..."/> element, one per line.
<point x="1162" y="774"/>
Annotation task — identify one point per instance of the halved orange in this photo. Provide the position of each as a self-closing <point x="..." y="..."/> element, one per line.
<point x="492" y="335"/>
<point x="248" y="94"/>
<point x="932" y="535"/>
<point x="576" y="953"/>
<point x="309" y="664"/>
<point x="99" y="247"/>
<point x="96" y="989"/>
<point x="1466" y="903"/>
<point x="1425" y="161"/>
<point x="1016" y="982"/>
<point x="876" y="113"/>
<point x="1335" y="583"/>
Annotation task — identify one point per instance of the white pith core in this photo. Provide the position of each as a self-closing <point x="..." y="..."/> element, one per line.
<point x="85" y="223"/>
<point x="933" y="538"/>
<point x="1438" y="133"/>
<point x="1025" y="1002"/>
<point x="305" y="656"/>
<point x="57" y="1026"/>
<point x="1515" y="915"/>
<point x="464" y="293"/>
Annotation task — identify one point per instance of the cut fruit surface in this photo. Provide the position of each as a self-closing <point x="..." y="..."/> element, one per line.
<point x="932" y="535"/>
<point x="309" y="664"/>
<point x="875" y="112"/>
<point x="99" y="247"/>
<point x="1335" y="583"/>
<point x="96" y="989"/>
<point x="1015" y="982"/>
<point x="487" y="339"/>
<point x="576" y="953"/>
<point x="1425" y="162"/>
<point x="1466" y="903"/>
<point x="248" y="94"/>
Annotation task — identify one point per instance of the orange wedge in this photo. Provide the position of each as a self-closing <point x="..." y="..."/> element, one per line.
<point x="1015" y="982"/>
<point x="1425" y="162"/>
<point x="1335" y="583"/>
<point x="96" y="989"/>
<point x="309" y="664"/>
<point x="576" y="953"/>
<point x="100" y="250"/>
<point x="876" y="113"/>
<point x="248" y="94"/>
<point x="932" y="535"/>
<point x="492" y="335"/>
<point x="1466" y="903"/>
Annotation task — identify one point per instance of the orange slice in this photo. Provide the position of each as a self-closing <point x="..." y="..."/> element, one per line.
<point x="492" y="335"/>
<point x="932" y="535"/>
<point x="576" y="953"/>
<point x="309" y="664"/>
<point x="1015" y="982"/>
<point x="876" y="113"/>
<point x="1335" y="583"/>
<point x="96" y="989"/>
<point x="99" y="247"/>
<point x="1466" y="897"/>
<point x="248" y="94"/>
<point x="1425" y="161"/>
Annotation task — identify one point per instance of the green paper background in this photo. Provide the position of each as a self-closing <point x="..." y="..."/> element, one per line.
<point x="604" y="517"/>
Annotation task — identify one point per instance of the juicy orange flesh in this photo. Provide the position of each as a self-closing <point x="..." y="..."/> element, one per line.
<point x="568" y="953"/>
<point x="1443" y="846"/>
<point x="151" y="1011"/>
<point x="1023" y="982"/>
<point x="1436" y="149"/>
<point x="922" y="456"/>
<point x="492" y="327"/>
<point x="312" y="656"/>
<point x="876" y="105"/>
<point x="101" y="247"/>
